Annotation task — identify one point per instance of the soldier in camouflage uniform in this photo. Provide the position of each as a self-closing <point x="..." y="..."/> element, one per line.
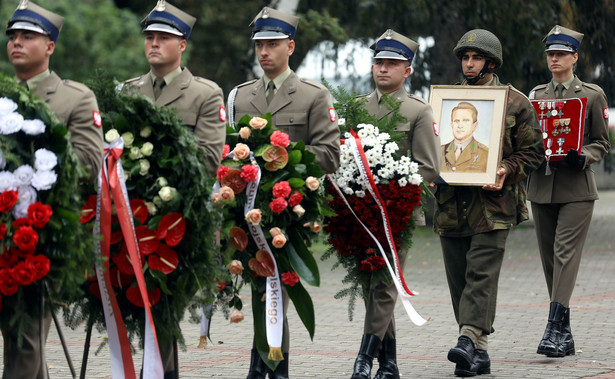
<point x="473" y="222"/>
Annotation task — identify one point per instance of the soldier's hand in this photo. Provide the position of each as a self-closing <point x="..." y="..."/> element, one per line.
<point x="500" y="176"/>
<point x="574" y="159"/>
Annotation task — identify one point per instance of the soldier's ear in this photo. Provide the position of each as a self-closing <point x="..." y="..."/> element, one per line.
<point x="51" y="46"/>
<point x="182" y="45"/>
<point x="291" y="47"/>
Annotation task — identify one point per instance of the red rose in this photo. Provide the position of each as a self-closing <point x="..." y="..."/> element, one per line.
<point x="295" y="199"/>
<point x="8" y="258"/>
<point x="377" y="262"/>
<point x="281" y="189"/>
<point x="222" y="170"/>
<point x="278" y="205"/>
<point x="22" y="221"/>
<point x="39" y="214"/>
<point x="26" y="238"/>
<point x="249" y="173"/>
<point x="2" y="231"/>
<point x="279" y="138"/>
<point x="290" y="278"/>
<point x="221" y="286"/>
<point x="7" y="200"/>
<point x="8" y="284"/>
<point x="24" y="273"/>
<point x="41" y="264"/>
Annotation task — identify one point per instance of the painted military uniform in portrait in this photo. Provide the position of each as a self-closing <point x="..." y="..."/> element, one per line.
<point x="473" y="157"/>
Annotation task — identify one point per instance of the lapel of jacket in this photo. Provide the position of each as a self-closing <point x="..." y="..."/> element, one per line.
<point x="284" y="95"/>
<point x="383" y="110"/>
<point x="175" y="89"/>
<point x="258" y="97"/>
<point x="449" y="153"/>
<point x="371" y="103"/>
<point x="47" y="86"/>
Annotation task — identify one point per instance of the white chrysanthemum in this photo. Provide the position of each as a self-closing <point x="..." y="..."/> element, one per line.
<point x="23" y="175"/>
<point x="44" y="160"/>
<point x="391" y="147"/>
<point x="7" y="181"/>
<point x="362" y="133"/>
<point x="7" y="106"/>
<point x="360" y="193"/>
<point x="43" y="180"/>
<point x="33" y="127"/>
<point x="403" y="181"/>
<point x="416" y="179"/>
<point x="347" y="135"/>
<point x="11" y="123"/>
<point x="348" y="191"/>
<point x="341" y="121"/>
<point x="414" y="167"/>
<point x="342" y="182"/>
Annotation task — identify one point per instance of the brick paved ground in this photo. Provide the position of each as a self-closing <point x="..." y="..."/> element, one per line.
<point x="521" y="317"/>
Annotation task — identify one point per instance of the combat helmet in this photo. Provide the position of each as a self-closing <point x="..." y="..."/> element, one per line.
<point x="482" y="41"/>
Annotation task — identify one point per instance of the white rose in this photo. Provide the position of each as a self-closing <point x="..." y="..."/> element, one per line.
<point x="27" y="196"/>
<point x="157" y="201"/>
<point x="112" y="135"/>
<point x="167" y="193"/>
<point x="33" y="127"/>
<point x="20" y="210"/>
<point x="144" y="167"/>
<point x="162" y="181"/>
<point x="23" y="175"/>
<point x="7" y="106"/>
<point x="45" y="160"/>
<point x="147" y="149"/>
<point x="146" y="132"/>
<point x="151" y="208"/>
<point x="43" y="180"/>
<point x="128" y="138"/>
<point x="7" y="181"/>
<point x="11" y="123"/>
<point x="135" y="153"/>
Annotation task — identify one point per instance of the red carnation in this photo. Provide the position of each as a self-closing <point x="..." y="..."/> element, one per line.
<point x="39" y="214"/>
<point x="295" y="199"/>
<point x="222" y="170"/>
<point x="8" y="284"/>
<point x="221" y="286"/>
<point x="290" y="278"/>
<point x="41" y="264"/>
<point x="249" y="173"/>
<point x="2" y="231"/>
<point x="26" y="238"/>
<point x="24" y="273"/>
<point x="278" y="205"/>
<point x="279" y="138"/>
<point x="225" y="150"/>
<point x="7" y="200"/>
<point x="281" y="189"/>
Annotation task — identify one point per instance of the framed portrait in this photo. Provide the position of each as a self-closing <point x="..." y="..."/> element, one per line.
<point x="471" y="122"/>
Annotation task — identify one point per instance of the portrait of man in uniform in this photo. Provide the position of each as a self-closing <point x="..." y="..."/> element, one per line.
<point x="464" y="152"/>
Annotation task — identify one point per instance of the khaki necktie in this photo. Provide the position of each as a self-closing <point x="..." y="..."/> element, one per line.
<point x="158" y="84"/>
<point x="458" y="151"/>
<point x="270" y="91"/>
<point x="559" y="91"/>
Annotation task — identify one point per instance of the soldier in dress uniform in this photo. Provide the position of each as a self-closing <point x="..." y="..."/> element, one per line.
<point x="199" y="101"/>
<point x="33" y="33"/>
<point x="464" y="153"/>
<point x="473" y="222"/>
<point x="393" y="54"/>
<point x="300" y="107"/>
<point x="563" y="198"/>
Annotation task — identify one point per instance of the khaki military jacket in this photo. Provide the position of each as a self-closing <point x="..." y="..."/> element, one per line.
<point x="200" y="104"/>
<point x="75" y="104"/>
<point x="302" y="108"/>
<point x="567" y="184"/>
<point x="463" y="211"/>
<point x="472" y="159"/>
<point x="420" y="129"/>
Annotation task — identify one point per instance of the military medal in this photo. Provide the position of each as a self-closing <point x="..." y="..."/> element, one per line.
<point x="560" y="106"/>
<point x="560" y="143"/>
<point x="548" y="152"/>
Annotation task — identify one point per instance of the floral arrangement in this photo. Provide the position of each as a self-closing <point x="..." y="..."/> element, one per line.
<point x="169" y="190"/>
<point x="261" y="165"/>
<point x="396" y="181"/>
<point x="40" y="234"/>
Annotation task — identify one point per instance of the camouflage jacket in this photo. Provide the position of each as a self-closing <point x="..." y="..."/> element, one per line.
<point x="467" y="210"/>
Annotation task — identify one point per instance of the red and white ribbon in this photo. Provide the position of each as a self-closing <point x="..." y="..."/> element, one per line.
<point x="354" y="144"/>
<point x="112" y="185"/>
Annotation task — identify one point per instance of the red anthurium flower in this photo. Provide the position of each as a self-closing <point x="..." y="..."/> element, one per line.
<point x="39" y="214"/>
<point x="148" y="243"/>
<point x="239" y="238"/>
<point x="172" y="228"/>
<point x="119" y="279"/>
<point x="88" y="211"/>
<point x="134" y="296"/>
<point x="122" y="261"/>
<point x="164" y="259"/>
<point x="233" y="179"/>
<point x="116" y="237"/>
<point x="95" y="290"/>
<point x="139" y="210"/>
<point x="263" y="264"/>
<point x="276" y="158"/>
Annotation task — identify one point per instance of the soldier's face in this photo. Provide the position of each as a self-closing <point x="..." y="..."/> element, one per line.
<point x="29" y="50"/>
<point x="472" y="63"/>
<point x="463" y="124"/>
<point x="163" y="49"/>
<point x="389" y="74"/>
<point x="273" y="55"/>
<point x="561" y="62"/>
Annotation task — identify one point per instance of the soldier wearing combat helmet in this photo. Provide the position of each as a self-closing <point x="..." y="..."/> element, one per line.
<point x="473" y="222"/>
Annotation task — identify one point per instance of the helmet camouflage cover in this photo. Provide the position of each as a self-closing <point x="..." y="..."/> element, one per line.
<point x="482" y="41"/>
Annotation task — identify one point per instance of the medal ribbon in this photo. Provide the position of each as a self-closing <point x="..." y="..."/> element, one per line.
<point x="397" y="276"/>
<point x="112" y="183"/>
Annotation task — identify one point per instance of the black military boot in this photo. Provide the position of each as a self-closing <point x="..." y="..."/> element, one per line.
<point x="258" y="368"/>
<point x="387" y="360"/>
<point x="549" y="345"/>
<point x="481" y="363"/>
<point x="566" y="343"/>
<point x="363" y="364"/>
<point x="281" y="371"/>
<point x="463" y="355"/>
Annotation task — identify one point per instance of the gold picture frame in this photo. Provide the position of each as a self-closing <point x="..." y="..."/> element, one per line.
<point x="471" y="123"/>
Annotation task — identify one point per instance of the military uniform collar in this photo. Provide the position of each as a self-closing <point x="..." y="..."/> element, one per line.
<point x="34" y="81"/>
<point x="395" y="94"/>
<point x="168" y="78"/>
<point x="278" y="80"/>
<point x="567" y="83"/>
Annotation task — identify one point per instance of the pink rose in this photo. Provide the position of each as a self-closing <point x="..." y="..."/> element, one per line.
<point x="275" y="231"/>
<point x="278" y="205"/>
<point x="295" y="199"/>
<point x="215" y="198"/>
<point x="281" y="189"/>
<point x="299" y="210"/>
<point x="254" y="216"/>
<point x="226" y="193"/>
<point x="245" y="132"/>
<point x="312" y="183"/>
<point x="316" y="227"/>
<point x="241" y="151"/>
<point x="235" y="267"/>
<point x="258" y="123"/>
<point x="236" y="316"/>
<point x="280" y="139"/>
<point x="279" y="241"/>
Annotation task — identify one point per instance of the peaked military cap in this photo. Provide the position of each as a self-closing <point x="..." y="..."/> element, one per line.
<point x="563" y="39"/>
<point x="32" y="17"/>
<point x="168" y="19"/>
<point x="392" y="45"/>
<point x="270" y="23"/>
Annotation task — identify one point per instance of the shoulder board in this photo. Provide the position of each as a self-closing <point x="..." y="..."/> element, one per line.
<point x="593" y="87"/>
<point x="362" y="96"/>
<point x="131" y="80"/>
<point x="207" y="82"/>
<point x="246" y="83"/>
<point x="75" y="85"/>
<point x="540" y="87"/>
<point x="311" y="82"/>
<point x="417" y="98"/>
